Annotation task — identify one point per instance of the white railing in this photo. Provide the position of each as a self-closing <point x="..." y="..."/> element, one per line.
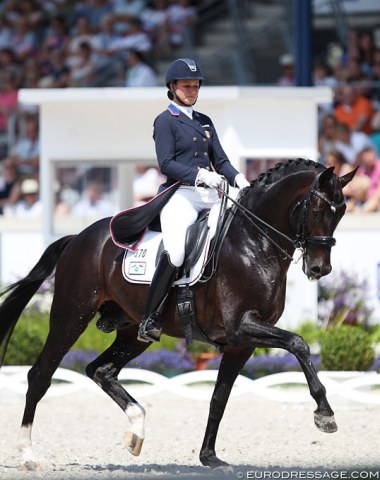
<point x="354" y="386"/>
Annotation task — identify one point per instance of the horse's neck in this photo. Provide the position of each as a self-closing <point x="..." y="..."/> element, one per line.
<point x="272" y="203"/>
<point x="275" y="200"/>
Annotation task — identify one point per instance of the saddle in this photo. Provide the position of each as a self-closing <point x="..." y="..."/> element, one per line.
<point x="139" y="265"/>
<point x="196" y="238"/>
<point x="138" y="231"/>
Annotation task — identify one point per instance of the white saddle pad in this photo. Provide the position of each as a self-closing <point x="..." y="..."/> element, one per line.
<point x="139" y="266"/>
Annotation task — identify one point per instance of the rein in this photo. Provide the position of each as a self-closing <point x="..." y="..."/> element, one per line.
<point x="254" y="218"/>
<point x="302" y="240"/>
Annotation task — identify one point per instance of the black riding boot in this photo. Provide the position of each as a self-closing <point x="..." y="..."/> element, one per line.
<point x="159" y="289"/>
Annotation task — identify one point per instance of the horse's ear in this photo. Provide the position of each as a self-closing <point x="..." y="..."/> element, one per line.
<point x="348" y="177"/>
<point x="326" y="176"/>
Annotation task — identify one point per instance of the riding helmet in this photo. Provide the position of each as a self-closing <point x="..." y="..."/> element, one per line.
<point x="183" y="69"/>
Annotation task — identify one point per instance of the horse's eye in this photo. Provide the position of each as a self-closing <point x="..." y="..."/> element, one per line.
<point x="317" y="213"/>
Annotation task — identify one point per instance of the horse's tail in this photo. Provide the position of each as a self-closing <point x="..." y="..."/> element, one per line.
<point x="23" y="290"/>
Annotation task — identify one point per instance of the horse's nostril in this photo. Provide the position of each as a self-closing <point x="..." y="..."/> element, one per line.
<point x="318" y="271"/>
<point x="315" y="272"/>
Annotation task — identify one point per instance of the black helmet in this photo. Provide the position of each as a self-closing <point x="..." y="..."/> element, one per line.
<point x="183" y="69"/>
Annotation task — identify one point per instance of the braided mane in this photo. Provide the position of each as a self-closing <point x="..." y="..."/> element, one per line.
<point x="287" y="167"/>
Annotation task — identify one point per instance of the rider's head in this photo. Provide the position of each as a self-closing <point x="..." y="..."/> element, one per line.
<point x="183" y="79"/>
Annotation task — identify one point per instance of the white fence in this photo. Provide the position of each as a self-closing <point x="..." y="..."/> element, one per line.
<point x="361" y="387"/>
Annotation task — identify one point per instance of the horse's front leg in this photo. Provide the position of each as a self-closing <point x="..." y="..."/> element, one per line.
<point x="232" y="362"/>
<point x="256" y="333"/>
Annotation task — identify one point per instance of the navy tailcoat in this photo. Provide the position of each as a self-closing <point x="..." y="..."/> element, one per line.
<point x="183" y="145"/>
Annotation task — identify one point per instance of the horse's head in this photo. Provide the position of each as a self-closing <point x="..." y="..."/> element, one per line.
<point x="319" y="213"/>
<point x="306" y="204"/>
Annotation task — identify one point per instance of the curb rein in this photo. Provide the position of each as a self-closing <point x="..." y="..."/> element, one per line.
<point x="302" y="240"/>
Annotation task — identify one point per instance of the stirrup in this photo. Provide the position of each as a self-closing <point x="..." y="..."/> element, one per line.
<point x="152" y="334"/>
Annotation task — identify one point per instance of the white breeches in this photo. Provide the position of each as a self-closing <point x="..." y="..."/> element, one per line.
<point x="181" y="211"/>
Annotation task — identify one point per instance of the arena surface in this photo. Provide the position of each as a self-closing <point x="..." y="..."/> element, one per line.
<point x="80" y="436"/>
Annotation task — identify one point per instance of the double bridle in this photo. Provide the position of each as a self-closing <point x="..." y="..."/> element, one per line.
<point x="302" y="240"/>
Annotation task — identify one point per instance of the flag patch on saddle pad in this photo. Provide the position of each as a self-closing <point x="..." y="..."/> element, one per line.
<point x="137" y="268"/>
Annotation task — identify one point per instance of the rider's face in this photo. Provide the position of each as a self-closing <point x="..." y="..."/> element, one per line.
<point x="187" y="91"/>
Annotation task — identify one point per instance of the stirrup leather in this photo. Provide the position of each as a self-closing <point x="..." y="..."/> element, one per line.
<point x="148" y="330"/>
<point x="158" y="292"/>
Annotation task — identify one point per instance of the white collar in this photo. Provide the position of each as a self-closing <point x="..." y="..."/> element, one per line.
<point x="188" y="111"/>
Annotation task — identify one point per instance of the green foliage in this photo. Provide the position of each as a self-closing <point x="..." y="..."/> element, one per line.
<point x="28" y="338"/>
<point x="347" y="348"/>
<point x="166" y="343"/>
<point x="199" y="347"/>
<point x="94" y="339"/>
<point x="30" y="334"/>
<point x="310" y="332"/>
<point x="374" y="332"/>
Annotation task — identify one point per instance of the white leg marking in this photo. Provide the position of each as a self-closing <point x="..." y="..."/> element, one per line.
<point x="136" y="417"/>
<point x="24" y="444"/>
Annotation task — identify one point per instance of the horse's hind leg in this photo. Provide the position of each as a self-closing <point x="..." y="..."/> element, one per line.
<point x="104" y="371"/>
<point x="62" y="335"/>
<point x="232" y="363"/>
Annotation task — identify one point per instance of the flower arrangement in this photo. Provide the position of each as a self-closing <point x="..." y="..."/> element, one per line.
<point x="78" y="359"/>
<point x="343" y="298"/>
<point x="260" y="365"/>
<point x="166" y="362"/>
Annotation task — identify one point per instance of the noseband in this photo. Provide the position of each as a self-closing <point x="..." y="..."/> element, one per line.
<point x="302" y="240"/>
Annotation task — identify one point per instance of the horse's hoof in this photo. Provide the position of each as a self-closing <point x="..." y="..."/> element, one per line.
<point x="325" y="423"/>
<point x="215" y="463"/>
<point x="133" y="443"/>
<point x="30" y="466"/>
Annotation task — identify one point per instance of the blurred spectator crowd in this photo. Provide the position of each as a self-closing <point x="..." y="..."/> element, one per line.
<point x="349" y="127"/>
<point x="99" y="43"/>
<point x="66" y="43"/>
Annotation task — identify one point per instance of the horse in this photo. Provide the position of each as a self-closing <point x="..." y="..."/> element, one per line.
<point x="297" y="204"/>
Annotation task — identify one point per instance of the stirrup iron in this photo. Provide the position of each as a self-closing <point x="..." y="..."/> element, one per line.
<point x="151" y="335"/>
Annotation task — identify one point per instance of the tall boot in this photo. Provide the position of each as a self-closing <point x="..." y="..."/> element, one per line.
<point x="163" y="278"/>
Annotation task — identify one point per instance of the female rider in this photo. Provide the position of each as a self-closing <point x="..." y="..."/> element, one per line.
<point x="188" y="150"/>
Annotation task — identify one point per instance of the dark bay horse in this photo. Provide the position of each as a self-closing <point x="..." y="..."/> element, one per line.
<point x="301" y="203"/>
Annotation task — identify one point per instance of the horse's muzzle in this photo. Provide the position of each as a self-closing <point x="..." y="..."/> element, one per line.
<point x="316" y="268"/>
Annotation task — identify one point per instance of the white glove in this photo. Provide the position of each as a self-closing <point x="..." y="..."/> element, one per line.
<point x="211" y="179"/>
<point x="241" y="181"/>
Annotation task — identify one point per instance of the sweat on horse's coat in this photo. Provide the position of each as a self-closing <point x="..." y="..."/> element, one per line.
<point x="237" y="308"/>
